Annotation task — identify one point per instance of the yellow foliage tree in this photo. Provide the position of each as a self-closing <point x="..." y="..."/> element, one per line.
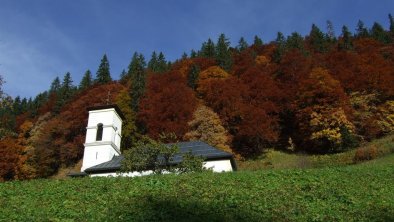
<point x="262" y="60"/>
<point x="206" y="126"/>
<point x="129" y="129"/>
<point x="211" y="73"/>
<point x="326" y="123"/>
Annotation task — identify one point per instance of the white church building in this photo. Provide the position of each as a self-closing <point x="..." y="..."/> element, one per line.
<point x="102" y="154"/>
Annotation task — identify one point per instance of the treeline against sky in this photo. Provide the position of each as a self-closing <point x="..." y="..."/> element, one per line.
<point x="317" y="93"/>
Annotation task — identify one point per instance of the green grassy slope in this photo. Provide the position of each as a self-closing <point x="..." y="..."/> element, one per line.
<point x="274" y="159"/>
<point x="363" y="192"/>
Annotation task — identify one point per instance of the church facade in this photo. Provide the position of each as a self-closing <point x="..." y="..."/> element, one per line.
<point x="102" y="154"/>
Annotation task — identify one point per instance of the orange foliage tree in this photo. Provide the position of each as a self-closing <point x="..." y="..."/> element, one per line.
<point x="323" y="112"/>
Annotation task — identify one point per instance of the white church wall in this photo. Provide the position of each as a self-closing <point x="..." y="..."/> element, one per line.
<point x="96" y="154"/>
<point x="219" y="165"/>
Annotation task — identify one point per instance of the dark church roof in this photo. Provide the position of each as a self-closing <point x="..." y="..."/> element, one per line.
<point x="197" y="148"/>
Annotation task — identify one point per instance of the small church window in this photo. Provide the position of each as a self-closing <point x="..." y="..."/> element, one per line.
<point x="99" y="135"/>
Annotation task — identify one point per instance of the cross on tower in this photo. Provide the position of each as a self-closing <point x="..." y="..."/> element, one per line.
<point x="108" y="100"/>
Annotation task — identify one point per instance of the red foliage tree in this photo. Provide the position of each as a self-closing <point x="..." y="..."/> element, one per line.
<point x="168" y="105"/>
<point x="9" y="158"/>
<point x="248" y="107"/>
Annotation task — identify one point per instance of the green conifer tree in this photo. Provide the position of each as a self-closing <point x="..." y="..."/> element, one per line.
<point x="346" y="43"/>
<point x="295" y="41"/>
<point x="257" y="41"/>
<point x="86" y="81"/>
<point x="223" y="54"/>
<point x="138" y="78"/>
<point x="242" y="44"/>
<point x="193" y="54"/>
<point x="55" y="85"/>
<point x="317" y="39"/>
<point x="161" y="63"/>
<point x="192" y="76"/>
<point x="208" y="49"/>
<point x="103" y="74"/>
<point x="361" y="31"/>
<point x="280" y="47"/>
<point x="391" y="20"/>
<point x="153" y="63"/>
<point x="378" y="33"/>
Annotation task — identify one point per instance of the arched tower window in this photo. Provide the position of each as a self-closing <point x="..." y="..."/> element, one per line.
<point x="99" y="135"/>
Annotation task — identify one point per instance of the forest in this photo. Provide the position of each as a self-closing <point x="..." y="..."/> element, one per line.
<point x="318" y="94"/>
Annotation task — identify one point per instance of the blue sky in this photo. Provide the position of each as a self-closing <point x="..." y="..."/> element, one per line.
<point x="42" y="39"/>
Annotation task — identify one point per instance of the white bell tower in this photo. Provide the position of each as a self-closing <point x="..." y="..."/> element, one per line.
<point x="103" y="135"/>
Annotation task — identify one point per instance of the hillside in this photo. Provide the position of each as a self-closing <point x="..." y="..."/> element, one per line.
<point x="314" y="94"/>
<point x="363" y="192"/>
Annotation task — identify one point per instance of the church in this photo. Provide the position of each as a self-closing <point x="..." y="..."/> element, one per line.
<point x="102" y="154"/>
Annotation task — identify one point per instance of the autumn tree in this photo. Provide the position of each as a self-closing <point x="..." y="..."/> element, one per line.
<point x="9" y="156"/>
<point x="247" y="106"/>
<point x="323" y="114"/>
<point x="129" y="129"/>
<point x="206" y="126"/>
<point x="103" y="74"/>
<point x="167" y="109"/>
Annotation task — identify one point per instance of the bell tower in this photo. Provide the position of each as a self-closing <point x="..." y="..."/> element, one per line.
<point x="103" y="135"/>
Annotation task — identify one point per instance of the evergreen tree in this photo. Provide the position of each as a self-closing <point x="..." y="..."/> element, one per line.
<point x="17" y="106"/>
<point x="66" y="91"/>
<point x="242" y="44"/>
<point x="361" y="31"/>
<point x="257" y="41"/>
<point x="379" y="34"/>
<point x="317" y="39"/>
<point x="184" y="55"/>
<point x="86" y="81"/>
<point x="391" y="20"/>
<point x="55" y="85"/>
<point x="192" y="76"/>
<point x="208" y="49"/>
<point x="123" y="76"/>
<point x="138" y="78"/>
<point x="153" y="62"/>
<point x="193" y="54"/>
<point x="280" y="47"/>
<point x="161" y="63"/>
<point x="330" y="31"/>
<point x="223" y="54"/>
<point x="24" y="105"/>
<point x="103" y="75"/>
<point x="295" y="41"/>
<point x="346" y="43"/>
